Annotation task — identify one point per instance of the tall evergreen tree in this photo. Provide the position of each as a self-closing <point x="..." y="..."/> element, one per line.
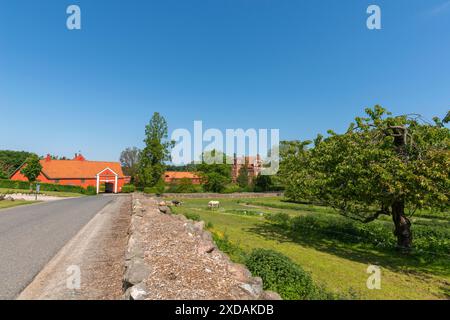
<point x="242" y="178"/>
<point x="156" y="152"/>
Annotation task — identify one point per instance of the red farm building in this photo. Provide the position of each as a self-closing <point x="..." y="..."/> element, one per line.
<point x="174" y="177"/>
<point x="80" y="172"/>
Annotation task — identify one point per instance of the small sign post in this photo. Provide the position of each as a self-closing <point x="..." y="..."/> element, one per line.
<point x="38" y="188"/>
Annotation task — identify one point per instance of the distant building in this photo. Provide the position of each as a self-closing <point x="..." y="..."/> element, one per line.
<point x="174" y="177"/>
<point x="254" y="166"/>
<point x="80" y="172"/>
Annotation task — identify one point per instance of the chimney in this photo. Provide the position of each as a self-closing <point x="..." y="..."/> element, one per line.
<point x="48" y="158"/>
<point x="79" y="157"/>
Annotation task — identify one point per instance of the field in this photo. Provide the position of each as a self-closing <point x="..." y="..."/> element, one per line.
<point x="49" y="193"/>
<point x="336" y="250"/>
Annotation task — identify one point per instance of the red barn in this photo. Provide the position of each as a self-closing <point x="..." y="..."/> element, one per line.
<point x="80" y="172"/>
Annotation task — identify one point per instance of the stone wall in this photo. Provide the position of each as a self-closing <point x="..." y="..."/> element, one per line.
<point x="137" y="271"/>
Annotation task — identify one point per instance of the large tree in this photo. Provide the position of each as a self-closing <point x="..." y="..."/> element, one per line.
<point x="156" y="152"/>
<point x="382" y="165"/>
<point x="214" y="170"/>
<point x="129" y="159"/>
<point x="32" y="169"/>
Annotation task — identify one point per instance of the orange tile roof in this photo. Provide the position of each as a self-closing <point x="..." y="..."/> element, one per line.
<point x="64" y="169"/>
<point x="181" y="175"/>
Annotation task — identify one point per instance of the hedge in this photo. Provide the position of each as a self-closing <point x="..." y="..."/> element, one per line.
<point x="282" y="275"/>
<point x="13" y="184"/>
<point x="128" y="188"/>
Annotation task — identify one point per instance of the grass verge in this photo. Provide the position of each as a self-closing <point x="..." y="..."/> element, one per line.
<point x="48" y="193"/>
<point x="332" y="260"/>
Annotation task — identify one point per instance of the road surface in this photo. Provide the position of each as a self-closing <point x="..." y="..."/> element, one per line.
<point x="31" y="235"/>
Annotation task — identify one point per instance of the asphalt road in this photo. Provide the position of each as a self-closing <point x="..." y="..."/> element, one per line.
<point x="31" y="235"/>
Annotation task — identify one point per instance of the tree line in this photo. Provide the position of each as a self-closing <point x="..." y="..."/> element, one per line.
<point x="147" y="166"/>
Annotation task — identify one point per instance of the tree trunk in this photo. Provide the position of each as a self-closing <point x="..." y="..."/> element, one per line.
<point x="402" y="226"/>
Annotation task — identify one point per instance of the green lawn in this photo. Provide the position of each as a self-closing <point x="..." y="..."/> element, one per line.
<point x="49" y="193"/>
<point x="9" y="204"/>
<point x="338" y="264"/>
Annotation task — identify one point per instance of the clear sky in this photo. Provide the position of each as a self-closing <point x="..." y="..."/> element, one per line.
<point x="300" y="66"/>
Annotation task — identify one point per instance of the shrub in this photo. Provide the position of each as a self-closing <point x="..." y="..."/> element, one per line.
<point x="281" y="275"/>
<point x="282" y="219"/>
<point x="157" y="189"/>
<point x="160" y="187"/>
<point x="90" y="191"/>
<point x="149" y="190"/>
<point x="262" y="183"/>
<point x="13" y="184"/>
<point x="184" y="186"/>
<point x="232" y="250"/>
<point x="128" y="188"/>
<point x="3" y="174"/>
<point x="192" y="216"/>
<point x="214" y="182"/>
<point x="232" y="188"/>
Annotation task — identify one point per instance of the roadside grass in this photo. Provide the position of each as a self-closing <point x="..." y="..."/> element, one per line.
<point x="48" y="193"/>
<point x="9" y="204"/>
<point x="335" y="261"/>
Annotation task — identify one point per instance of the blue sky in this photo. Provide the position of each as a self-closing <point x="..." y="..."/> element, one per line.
<point x="300" y="66"/>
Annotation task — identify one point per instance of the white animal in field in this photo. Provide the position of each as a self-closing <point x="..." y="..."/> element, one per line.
<point x="213" y="204"/>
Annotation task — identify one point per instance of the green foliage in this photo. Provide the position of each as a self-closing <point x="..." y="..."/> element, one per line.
<point x="185" y="185"/>
<point x="281" y="275"/>
<point x="380" y="166"/>
<point x="90" y="191"/>
<point x="429" y="239"/>
<point x="363" y="171"/>
<point x="157" y="189"/>
<point x="3" y="174"/>
<point x="192" y="216"/>
<point x="263" y="183"/>
<point x="232" y="188"/>
<point x="192" y="167"/>
<point x="128" y="188"/>
<point x="32" y="168"/>
<point x="214" y="171"/>
<point x="11" y="161"/>
<point x="282" y="219"/>
<point x="149" y="190"/>
<point x="225" y="245"/>
<point x="214" y="182"/>
<point x="13" y="184"/>
<point x="245" y="212"/>
<point x="156" y="152"/>
<point x="242" y="178"/>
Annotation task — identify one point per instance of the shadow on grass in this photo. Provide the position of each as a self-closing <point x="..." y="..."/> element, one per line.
<point x="415" y="264"/>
